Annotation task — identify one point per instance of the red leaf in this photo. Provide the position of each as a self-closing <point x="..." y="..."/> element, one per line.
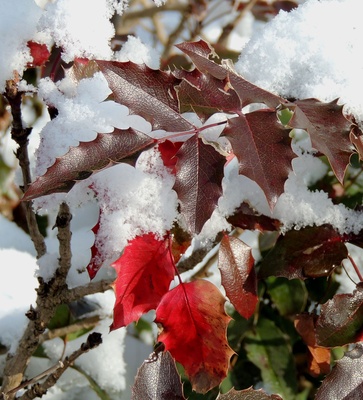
<point x="199" y="173"/>
<point x="146" y="92"/>
<point x="341" y="319"/>
<point x="82" y="161"/>
<point x="144" y="273"/>
<point x="194" y="331"/>
<point x="39" y="52"/>
<point x="96" y="258"/>
<point x="236" y="264"/>
<point x="329" y="131"/>
<point x="319" y="360"/>
<point x="168" y="152"/>
<point x="309" y="252"/>
<point x="262" y="146"/>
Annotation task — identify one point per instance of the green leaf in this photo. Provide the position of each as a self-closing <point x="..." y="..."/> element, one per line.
<point x="267" y="348"/>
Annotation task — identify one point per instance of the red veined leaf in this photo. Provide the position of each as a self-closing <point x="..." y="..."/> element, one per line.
<point x="194" y="326"/>
<point x="262" y="147"/>
<point x="236" y="264"/>
<point x="82" y="161"/>
<point x="319" y="357"/>
<point x="199" y="173"/>
<point x="146" y="92"/>
<point x="341" y="319"/>
<point x="247" y="394"/>
<point x="309" y="252"/>
<point x="329" y="131"/>
<point x="144" y="272"/>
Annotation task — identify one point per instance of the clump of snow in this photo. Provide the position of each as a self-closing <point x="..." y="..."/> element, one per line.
<point x="299" y="55"/>
<point x="18" y="25"/>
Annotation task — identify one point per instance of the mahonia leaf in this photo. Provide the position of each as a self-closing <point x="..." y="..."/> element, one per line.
<point x="268" y="349"/>
<point x="247" y="394"/>
<point x="199" y="173"/>
<point x="200" y="52"/>
<point x="309" y="252"/>
<point x="245" y="217"/>
<point x="236" y="264"/>
<point x="319" y="357"/>
<point x="262" y="147"/>
<point x="329" y="131"/>
<point x="345" y="380"/>
<point x="144" y="272"/>
<point x="194" y="325"/>
<point x="82" y="161"/>
<point x="146" y="92"/>
<point x="341" y="319"/>
<point x="158" y="379"/>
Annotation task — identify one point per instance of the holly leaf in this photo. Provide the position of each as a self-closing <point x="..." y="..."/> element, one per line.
<point x="247" y="394"/>
<point x="319" y="357"/>
<point x="82" y="161"/>
<point x="236" y="263"/>
<point x="194" y="326"/>
<point x="198" y="184"/>
<point x="262" y="147"/>
<point x="158" y="378"/>
<point x="146" y="92"/>
<point x="144" y="272"/>
<point x="309" y="252"/>
<point x="245" y="217"/>
<point x="201" y="52"/>
<point x="329" y="131"/>
<point x="341" y="319"/>
<point x="345" y="380"/>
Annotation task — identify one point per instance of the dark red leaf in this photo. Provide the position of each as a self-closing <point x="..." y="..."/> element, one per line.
<point x="194" y="331"/>
<point x="309" y="252"/>
<point x="146" y="92"/>
<point x="236" y="264"/>
<point x="158" y="379"/>
<point x="168" y="152"/>
<point x="329" y="131"/>
<point x="248" y="394"/>
<point x="245" y="217"/>
<point x="82" y="161"/>
<point x="199" y="173"/>
<point x="346" y="380"/>
<point x="144" y="273"/>
<point x="262" y="146"/>
<point x="341" y="319"/>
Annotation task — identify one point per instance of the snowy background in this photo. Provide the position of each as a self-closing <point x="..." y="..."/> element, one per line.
<point x="312" y="51"/>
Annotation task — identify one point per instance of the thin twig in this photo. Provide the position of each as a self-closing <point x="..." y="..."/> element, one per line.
<point x="360" y="277"/>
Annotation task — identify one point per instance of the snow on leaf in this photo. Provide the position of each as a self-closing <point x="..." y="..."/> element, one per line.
<point x="329" y="131"/>
<point x="144" y="272"/>
<point x="319" y="357"/>
<point x="236" y="264"/>
<point x="194" y="325"/>
<point x="200" y="53"/>
<point x="199" y="173"/>
<point x="247" y="394"/>
<point x="341" y="319"/>
<point x="345" y="380"/>
<point x="309" y="252"/>
<point x="262" y="147"/>
<point x="158" y="378"/>
<point x="82" y="161"/>
<point x="146" y="92"/>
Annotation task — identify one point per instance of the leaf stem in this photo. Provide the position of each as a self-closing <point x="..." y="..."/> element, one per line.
<point x="355" y="267"/>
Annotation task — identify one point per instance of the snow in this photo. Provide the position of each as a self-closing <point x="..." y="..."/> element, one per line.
<point x="298" y="54"/>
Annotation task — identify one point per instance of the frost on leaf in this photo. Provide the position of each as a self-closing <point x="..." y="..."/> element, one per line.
<point x="194" y="325"/>
<point x="345" y="380"/>
<point x="309" y="252"/>
<point x="158" y="379"/>
<point x="82" y="161"/>
<point x="236" y="264"/>
<point x="199" y="173"/>
<point x="262" y="147"/>
<point x="247" y="394"/>
<point x="144" y="272"/>
<point x="341" y="319"/>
